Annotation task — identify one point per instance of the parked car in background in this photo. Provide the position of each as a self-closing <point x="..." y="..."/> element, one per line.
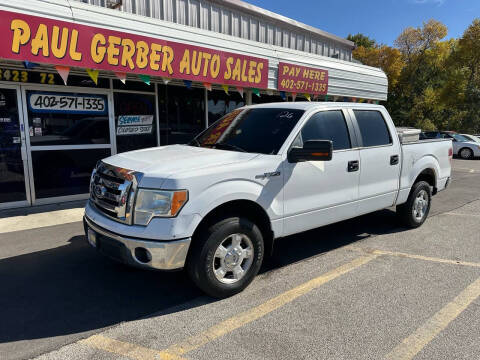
<point x="462" y="146"/>
<point x="473" y="138"/>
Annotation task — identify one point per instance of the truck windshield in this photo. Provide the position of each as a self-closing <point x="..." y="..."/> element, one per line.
<point x="257" y="130"/>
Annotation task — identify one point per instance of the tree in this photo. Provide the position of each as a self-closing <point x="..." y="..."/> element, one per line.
<point x="464" y="84"/>
<point x="362" y="40"/>
<point x="416" y="41"/>
<point x="385" y="57"/>
<point x="433" y="83"/>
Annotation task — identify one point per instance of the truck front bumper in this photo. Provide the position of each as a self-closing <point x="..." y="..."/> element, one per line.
<point x="162" y="255"/>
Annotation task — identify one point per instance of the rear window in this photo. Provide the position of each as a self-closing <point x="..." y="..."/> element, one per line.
<point x="373" y="128"/>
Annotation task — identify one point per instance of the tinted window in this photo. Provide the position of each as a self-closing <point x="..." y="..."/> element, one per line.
<point x="64" y="172"/>
<point x="327" y="125"/>
<point x="57" y="118"/>
<point x="373" y="128"/>
<point x="132" y="113"/>
<point x="181" y="113"/>
<point x="257" y="130"/>
<point x="220" y="104"/>
<point x="432" y="134"/>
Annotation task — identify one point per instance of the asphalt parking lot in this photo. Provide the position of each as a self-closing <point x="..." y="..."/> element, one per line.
<point x="361" y="289"/>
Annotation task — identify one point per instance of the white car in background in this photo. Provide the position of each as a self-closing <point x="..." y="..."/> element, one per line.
<point x="462" y="146"/>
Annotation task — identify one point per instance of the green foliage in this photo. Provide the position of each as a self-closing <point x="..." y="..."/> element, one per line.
<point x="362" y="40"/>
<point x="433" y="83"/>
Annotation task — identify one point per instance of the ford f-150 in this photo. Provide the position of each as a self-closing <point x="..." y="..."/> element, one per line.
<point x="216" y="205"/>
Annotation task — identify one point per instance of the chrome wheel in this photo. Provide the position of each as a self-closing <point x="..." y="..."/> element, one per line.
<point x="420" y="205"/>
<point x="466" y="153"/>
<point x="233" y="258"/>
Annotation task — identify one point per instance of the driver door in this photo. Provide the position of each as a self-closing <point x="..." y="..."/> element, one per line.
<point x="317" y="193"/>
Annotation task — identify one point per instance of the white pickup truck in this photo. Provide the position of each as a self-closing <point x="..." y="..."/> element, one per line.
<point x="262" y="172"/>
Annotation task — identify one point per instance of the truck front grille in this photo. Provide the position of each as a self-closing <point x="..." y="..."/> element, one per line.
<point x="112" y="191"/>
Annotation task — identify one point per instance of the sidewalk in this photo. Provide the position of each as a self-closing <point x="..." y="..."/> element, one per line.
<point x="41" y="216"/>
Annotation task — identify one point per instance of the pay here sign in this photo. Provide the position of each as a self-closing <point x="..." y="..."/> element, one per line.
<point x="302" y="79"/>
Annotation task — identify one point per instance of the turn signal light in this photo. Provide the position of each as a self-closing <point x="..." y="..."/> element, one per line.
<point x="178" y="200"/>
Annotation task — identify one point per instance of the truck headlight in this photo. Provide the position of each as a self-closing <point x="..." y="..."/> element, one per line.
<point x="158" y="203"/>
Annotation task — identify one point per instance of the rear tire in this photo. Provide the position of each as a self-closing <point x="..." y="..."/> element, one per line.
<point x="415" y="211"/>
<point x="466" y="153"/>
<point x="226" y="256"/>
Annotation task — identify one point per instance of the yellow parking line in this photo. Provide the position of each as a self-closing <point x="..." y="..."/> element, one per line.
<point x="261" y="310"/>
<point x="426" y="258"/>
<point x="413" y="344"/>
<point x="175" y="352"/>
<point x="126" y="349"/>
<point x="457" y="214"/>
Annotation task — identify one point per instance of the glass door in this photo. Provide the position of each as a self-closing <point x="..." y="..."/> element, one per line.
<point x="68" y="132"/>
<point x="14" y="189"/>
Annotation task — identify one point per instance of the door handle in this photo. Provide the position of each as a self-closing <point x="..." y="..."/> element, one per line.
<point x="353" y="165"/>
<point x="394" y="160"/>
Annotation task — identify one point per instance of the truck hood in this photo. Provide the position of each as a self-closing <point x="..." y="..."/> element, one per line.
<point x="162" y="162"/>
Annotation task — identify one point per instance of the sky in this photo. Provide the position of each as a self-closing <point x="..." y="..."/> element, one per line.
<point x="382" y="20"/>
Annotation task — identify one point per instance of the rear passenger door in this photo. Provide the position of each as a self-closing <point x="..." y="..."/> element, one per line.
<point x="317" y="193"/>
<point x="380" y="159"/>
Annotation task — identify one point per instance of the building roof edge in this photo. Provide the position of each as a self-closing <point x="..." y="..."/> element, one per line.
<point x="255" y="10"/>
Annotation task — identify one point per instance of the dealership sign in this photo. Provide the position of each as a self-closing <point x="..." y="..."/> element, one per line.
<point x="302" y="79"/>
<point x="42" y="40"/>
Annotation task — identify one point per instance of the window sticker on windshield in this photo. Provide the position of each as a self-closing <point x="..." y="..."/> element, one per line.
<point x="285" y="114"/>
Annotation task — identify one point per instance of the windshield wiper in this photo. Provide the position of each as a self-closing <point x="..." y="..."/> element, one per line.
<point x="229" y="146"/>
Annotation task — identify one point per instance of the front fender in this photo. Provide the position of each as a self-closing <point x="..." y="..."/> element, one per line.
<point x="221" y="193"/>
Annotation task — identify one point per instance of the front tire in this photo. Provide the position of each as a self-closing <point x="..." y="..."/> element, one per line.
<point x="415" y="211"/>
<point x="226" y="256"/>
<point x="466" y="153"/>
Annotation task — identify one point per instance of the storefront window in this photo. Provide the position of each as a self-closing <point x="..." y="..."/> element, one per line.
<point x="264" y="98"/>
<point x="64" y="172"/>
<point x="219" y="104"/>
<point x="12" y="178"/>
<point x="133" y="85"/>
<point x="135" y="123"/>
<point x="182" y="113"/>
<point x="57" y="118"/>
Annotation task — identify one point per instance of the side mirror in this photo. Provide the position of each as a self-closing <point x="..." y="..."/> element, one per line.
<point x="313" y="150"/>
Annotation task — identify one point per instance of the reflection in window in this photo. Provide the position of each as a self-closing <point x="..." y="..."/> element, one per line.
<point x="373" y="128"/>
<point x="264" y="98"/>
<point x="181" y="113"/>
<point x="327" y="125"/>
<point x="64" y="172"/>
<point x="67" y="118"/>
<point x="256" y="130"/>
<point x="219" y="104"/>
<point x="12" y="180"/>
<point x="135" y="123"/>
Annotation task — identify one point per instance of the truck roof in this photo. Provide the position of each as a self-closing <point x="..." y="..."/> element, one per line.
<point x="307" y="105"/>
